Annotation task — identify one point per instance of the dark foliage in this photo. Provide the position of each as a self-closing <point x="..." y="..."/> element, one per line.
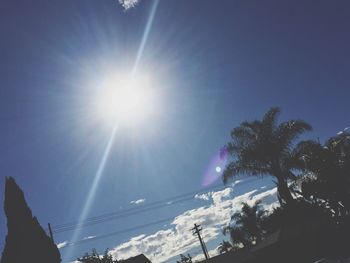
<point x="248" y="226"/>
<point x="185" y="259"/>
<point x="327" y="173"/>
<point x="94" y="257"/>
<point x="224" y="247"/>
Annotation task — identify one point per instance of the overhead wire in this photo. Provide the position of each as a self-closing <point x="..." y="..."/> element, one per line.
<point x="121" y="231"/>
<point x="135" y="210"/>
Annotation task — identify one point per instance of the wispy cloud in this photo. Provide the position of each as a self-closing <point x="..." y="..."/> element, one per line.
<point x="66" y="243"/>
<point x="127" y="4"/>
<point x="139" y="201"/>
<point x="62" y="244"/>
<point x="89" y="237"/>
<point x="168" y="243"/>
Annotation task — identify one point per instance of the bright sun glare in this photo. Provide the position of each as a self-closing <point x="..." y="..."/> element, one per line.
<point x="125" y="99"/>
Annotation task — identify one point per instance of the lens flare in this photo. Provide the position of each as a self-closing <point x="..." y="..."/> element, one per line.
<point x="215" y="168"/>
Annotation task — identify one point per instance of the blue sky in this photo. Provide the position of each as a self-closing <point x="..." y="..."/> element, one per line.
<point x="214" y="63"/>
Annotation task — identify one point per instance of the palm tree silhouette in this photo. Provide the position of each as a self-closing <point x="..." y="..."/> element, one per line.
<point x="248" y="228"/>
<point x="263" y="148"/>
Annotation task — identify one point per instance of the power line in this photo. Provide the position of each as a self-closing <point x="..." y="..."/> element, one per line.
<point x="117" y="216"/>
<point x="126" y="212"/>
<point x="136" y="208"/>
<point x="117" y="232"/>
<point x="132" y="211"/>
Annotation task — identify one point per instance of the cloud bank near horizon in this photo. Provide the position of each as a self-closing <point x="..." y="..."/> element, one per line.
<point x="177" y="239"/>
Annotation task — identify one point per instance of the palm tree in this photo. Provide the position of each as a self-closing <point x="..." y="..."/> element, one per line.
<point x="224" y="247"/>
<point x="248" y="228"/>
<point x="264" y="147"/>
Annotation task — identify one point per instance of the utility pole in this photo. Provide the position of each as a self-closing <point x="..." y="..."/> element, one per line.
<point x="50" y="231"/>
<point x="196" y="231"/>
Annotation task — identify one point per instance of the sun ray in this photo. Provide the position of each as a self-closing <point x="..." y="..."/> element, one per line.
<point x="93" y="189"/>
<point x="145" y="34"/>
<point x="107" y="151"/>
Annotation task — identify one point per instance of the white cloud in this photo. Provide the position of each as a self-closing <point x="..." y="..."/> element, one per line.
<point x="139" y="201"/>
<point x="62" y="244"/>
<point x="127" y="4"/>
<point x="167" y="243"/>
<point x="221" y="196"/>
<point x="211" y="195"/>
<point x="89" y="237"/>
<point x="66" y="243"/>
<point x="205" y="196"/>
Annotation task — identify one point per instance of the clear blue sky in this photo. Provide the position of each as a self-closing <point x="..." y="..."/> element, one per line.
<point x="217" y="63"/>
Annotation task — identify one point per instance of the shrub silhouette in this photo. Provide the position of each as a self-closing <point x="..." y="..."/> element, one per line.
<point x="185" y="259"/>
<point x="94" y="257"/>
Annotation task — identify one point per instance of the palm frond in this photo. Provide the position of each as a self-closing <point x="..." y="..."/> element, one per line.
<point x="287" y="132"/>
<point x="270" y="118"/>
<point x="239" y="167"/>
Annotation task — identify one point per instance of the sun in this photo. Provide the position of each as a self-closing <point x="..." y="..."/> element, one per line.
<point x="125" y="99"/>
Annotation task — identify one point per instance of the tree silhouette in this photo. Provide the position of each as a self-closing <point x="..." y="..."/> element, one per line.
<point x="248" y="225"/>
<point x="26" y="240"/>
<point x="94" y="257"/>
<point x="185" y="259"/>
<point x="263" y="148"/>
<point x="224" y="247"/>
<point x="327" y="173"/>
